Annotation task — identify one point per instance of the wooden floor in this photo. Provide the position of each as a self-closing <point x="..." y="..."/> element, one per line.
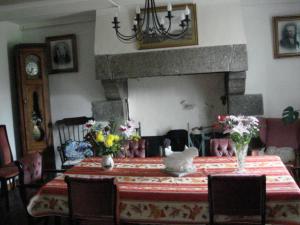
<point x="17" y="213"/>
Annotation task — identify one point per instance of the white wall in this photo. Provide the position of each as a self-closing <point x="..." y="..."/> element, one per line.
<point x="71" y="94"/>
<point x="9" y="35"/>
<point x="219" y="23"/>
<point x="166" y="103"/>
<point x="277" y="79"/>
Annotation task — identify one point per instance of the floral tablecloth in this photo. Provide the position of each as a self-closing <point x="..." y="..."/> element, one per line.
<point x="148" y="194"/>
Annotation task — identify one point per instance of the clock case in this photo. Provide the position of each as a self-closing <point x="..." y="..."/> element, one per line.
<point x="34" y="104"/>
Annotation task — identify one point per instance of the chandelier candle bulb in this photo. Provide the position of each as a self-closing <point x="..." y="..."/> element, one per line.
<point x="169" y="7"/>
<point x="138" y="9"/>
<point x="187" y="11"/>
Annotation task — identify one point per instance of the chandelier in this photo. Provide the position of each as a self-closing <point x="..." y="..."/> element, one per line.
<point x="148" y="25"/>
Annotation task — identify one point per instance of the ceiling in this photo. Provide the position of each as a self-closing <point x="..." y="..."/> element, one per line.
<point x="34" y="11"/>
<point x="11" y="2"/>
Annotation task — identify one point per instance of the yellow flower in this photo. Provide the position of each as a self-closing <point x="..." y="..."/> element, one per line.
<point x="99" y="137"/>
<point x="111" y="137"/>
<point x="116" y="137"/>
<point x="135" y="137"/>
<point x="108" y="143"/>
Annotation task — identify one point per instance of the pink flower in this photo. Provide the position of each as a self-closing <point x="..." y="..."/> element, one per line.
<point x="222" y="118"/>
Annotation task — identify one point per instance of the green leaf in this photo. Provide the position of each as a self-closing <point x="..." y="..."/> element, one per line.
<point x="290" y="115"/>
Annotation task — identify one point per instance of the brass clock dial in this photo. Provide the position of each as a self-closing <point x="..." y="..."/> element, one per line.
<point x="32" y="66"/>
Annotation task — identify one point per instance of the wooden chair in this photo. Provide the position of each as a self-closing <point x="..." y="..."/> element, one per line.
<point x="92" y="201"/>
<point x="237" y="195"/>
<point x="8" y="170"/>
<point x="31" y="179"/>
<point x="70" y="129"/>
<point x="178" y="138"/>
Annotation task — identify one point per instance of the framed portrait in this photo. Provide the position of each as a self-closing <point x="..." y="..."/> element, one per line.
<point x="62" y="53"/>
<point x="189" y="38"/>
<point x="286" y="36"/>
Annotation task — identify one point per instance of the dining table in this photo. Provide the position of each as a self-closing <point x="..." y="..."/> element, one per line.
<point x="148" y="193"/>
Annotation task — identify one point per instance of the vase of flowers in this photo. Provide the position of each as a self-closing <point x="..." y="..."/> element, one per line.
<point x="106" y="143"/>
<point x="107" y="162"/>
<point x="241" y="130"/>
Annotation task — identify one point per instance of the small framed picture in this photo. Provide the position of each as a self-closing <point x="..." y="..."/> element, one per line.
<point x="286" y="36"/>
<point x="62" y="52"/>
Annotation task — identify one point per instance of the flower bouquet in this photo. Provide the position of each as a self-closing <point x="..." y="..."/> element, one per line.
<point x="241" y="130"/>
<point x="105" y="141"/>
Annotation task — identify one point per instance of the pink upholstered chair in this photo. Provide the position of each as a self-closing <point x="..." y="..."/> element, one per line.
<point x="133" y="149"/>
<point x="221" y="147"/>
<point x="31" y="178"/>
<point x="274" y="132"/>
<point x="8" y="169"/>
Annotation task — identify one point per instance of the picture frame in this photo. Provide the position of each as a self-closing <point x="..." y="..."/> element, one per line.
<point x="62" y="54"/>
<point x="286" y="36"/>
<point x="190" y="38"/>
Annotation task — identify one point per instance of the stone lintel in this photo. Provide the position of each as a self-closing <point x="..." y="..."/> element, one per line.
<point x="184" y="61"/>
<point x="239" y="58"/>
<point x="102" y="67"/>
<point x="245" y="104"/>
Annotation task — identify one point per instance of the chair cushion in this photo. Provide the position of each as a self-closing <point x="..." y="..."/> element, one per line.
<point x="75" y="150"/>
<point x="286" y="154"/>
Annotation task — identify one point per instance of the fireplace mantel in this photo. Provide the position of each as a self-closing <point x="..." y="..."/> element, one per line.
<point x="231" y="60"/>
<point x="183" y="61"/>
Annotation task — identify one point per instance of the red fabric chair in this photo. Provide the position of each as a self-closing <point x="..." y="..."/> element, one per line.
<point x="133" y="149"/>
<point x="237" y="195"/>
<point x="274" y="132"/>
<point x="8" y="169"/>
<point x="92" y="201"/>
<point x="31" y="179"/>
<point x="221" y="147"/>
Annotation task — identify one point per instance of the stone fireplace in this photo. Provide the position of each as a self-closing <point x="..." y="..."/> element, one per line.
<point x="230" y="60"/>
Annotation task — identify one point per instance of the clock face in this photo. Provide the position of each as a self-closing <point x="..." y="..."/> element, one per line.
<point x="32" y="67"/>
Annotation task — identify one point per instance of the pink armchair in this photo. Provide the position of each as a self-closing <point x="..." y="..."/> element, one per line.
<point x="274" y="132"/>
<point x="221" y="147"/>
<point x="133" y="149"/>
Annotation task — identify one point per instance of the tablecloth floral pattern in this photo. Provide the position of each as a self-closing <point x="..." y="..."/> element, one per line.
<point x="148" y="194"/>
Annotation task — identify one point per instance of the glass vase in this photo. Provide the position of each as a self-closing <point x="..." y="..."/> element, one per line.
<point x="107" y="162"/>
<point x="240" y="154"/>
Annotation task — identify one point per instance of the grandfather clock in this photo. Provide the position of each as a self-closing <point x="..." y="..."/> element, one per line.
<point x="33" y="100"/>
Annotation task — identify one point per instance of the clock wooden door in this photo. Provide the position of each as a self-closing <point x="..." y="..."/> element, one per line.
<point x="34" y="105"/>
